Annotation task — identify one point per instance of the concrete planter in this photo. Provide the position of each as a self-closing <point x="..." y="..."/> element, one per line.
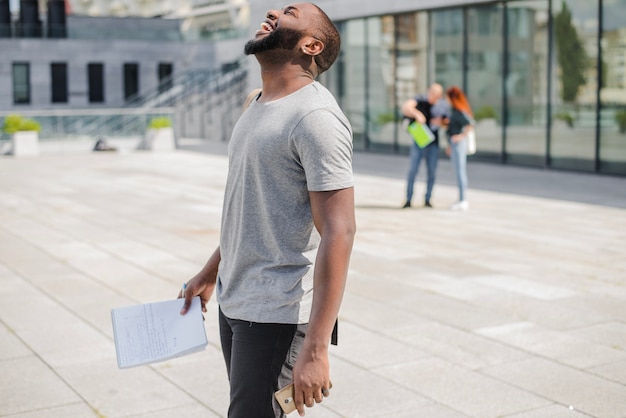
<point x="25" y="143"/>
<point x="161" y="139"/>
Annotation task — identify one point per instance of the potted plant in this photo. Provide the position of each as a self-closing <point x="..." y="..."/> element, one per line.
<point x="24" y="135"/>
<point x="620" y="118"/>
<point x="160" y="135"/>
<point x="486" y="112"/>
<point x="566" y="117"/>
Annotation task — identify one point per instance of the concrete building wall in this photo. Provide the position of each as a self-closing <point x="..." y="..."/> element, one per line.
<point x="40" y="53"/>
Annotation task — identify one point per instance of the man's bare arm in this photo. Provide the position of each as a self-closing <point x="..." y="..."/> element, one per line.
<point x="409" y="109"/>
<point x="203" y="283"/>
<point x="333" y="215"/>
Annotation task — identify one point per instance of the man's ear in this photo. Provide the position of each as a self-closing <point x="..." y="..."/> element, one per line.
<point x="312" y="46"/>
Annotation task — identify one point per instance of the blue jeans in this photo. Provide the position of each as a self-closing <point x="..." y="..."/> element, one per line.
<point x="259" y="360"/>
<point x="431" y="155"/>
<point x="458" y="155"/>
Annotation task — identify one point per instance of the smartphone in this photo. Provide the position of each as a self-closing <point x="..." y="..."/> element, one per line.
<point x="285" y="399"/>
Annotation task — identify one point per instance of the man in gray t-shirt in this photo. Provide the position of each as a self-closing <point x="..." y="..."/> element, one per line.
<point x="287" y="223"/>
<point x="280" y="151"/>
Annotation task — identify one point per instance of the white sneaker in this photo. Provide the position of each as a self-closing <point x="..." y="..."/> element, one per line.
<point x="463" y="205"/>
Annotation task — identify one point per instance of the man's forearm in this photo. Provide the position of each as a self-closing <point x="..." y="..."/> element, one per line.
<point x="331" y="270"/>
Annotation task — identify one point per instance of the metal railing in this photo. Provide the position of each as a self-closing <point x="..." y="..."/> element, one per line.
<point x="201" y="104"/>
<point x="92" y="123"/>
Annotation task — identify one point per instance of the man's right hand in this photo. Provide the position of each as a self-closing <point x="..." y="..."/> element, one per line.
<point x="419" y="116"/>
<point x="202" y="284"/>
<point x="196" y="287"/>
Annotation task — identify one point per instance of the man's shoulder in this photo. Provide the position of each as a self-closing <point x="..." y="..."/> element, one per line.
<point x="319" y="102"/>
<point x="441" y="107"/>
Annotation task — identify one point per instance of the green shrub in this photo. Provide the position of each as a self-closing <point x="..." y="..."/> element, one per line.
<point x="16" y="123"/>
<point x="485" y="112"/>
<point x="385" y="118"/>
<point x="620" y="118"/>
<point x="566" y="117"/>
<point x="30" y="125"/>
<point x="161" y="122"/>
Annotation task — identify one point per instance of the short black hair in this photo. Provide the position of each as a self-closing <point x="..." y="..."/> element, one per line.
<point x="326" y="32"/>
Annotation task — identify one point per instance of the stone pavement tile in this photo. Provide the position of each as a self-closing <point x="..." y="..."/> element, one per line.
<point x="552" y="411"/>
<point x="463" y="390"/>
<point x="116" y="393"/>
<point x="370" y="349"/>
<point x="202" y="376"/>
<point x="77" y="293"/>
<point x="457" y="313"/>
<point x="503" y="259"/>
<point x="559" y="315"/>
<point x="611" y="334"/>
<point x="359" y="393"/>
<point x="556" y="345"/>
<point x="527" y="287"/>
<point x="465" y="290"/>
<point x="374" y="315"/>
<point x="587" y="393"/>
<point x="61" y="344"/>
<point x="190" y="243"/>
<point x="11" y="347"/>
<point x="27" y="384"/>
<point x="320" y="411"/>
<point x="615" y="371"/>
<point x="608" y="300"/>
<point x="28" y="259"/>
<point x="427" y="411"/>
<point x="61" y="245"/>
<point x="182" y="411"/>
<point x="74" y="411"/>
<point x="404" y="296"/>
<point x="57" y="335"/>
<point x="458" y="346"/>
<point x="155" y="261"/>
<point x="156" y="254"/>
<point x="23" y="307"/>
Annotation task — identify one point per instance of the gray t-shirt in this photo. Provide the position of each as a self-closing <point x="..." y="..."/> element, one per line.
<point x="278" y="152"/>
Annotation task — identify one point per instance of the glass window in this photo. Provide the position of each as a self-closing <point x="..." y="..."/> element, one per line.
<point x="21" y="83"/>
<point x="131" y="80"/>
<point x="484" y="76"/>
<point x="95" y="80"/>
<point x="575" y="26"/>
<point x="412" y="58"/>
<point x="353" y="79"/>
<point x="613" y="89"/>
<point x="380" y="83"/>
<point x="58" y="77"/>
<point x="165" y="73"/>
<point x="526" y="82"/>
<point x="447" y="47"/>
<point x="448" y="22"/>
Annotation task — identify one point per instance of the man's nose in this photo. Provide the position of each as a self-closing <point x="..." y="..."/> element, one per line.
<point x="272" y="14"/>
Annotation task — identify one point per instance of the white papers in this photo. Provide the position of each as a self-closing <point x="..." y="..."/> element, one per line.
<point x="156" y="331"/>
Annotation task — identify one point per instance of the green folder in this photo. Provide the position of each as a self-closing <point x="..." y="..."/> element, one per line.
<point x="421" y="134"/>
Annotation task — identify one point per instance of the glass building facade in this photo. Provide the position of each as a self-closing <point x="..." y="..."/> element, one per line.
<point x="546" y="78"/>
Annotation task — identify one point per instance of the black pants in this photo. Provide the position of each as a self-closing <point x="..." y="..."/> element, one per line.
<point x="259" y="360"/>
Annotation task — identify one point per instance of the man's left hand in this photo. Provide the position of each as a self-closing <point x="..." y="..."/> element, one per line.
<point x="311" y="378"/>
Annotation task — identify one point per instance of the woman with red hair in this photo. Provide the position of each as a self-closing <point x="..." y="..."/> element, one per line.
<point x="460" y="123"/>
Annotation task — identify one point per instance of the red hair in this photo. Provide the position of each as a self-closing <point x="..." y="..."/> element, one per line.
<point x="458" y="100"/>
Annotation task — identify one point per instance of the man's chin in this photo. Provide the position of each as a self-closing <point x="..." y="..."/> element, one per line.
<point x="250" y="47"/>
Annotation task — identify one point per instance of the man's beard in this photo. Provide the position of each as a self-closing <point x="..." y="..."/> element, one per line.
<point x="281" y="38"/>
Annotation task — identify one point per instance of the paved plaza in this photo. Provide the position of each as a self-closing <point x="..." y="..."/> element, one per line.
<point x="516" y="308"/>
